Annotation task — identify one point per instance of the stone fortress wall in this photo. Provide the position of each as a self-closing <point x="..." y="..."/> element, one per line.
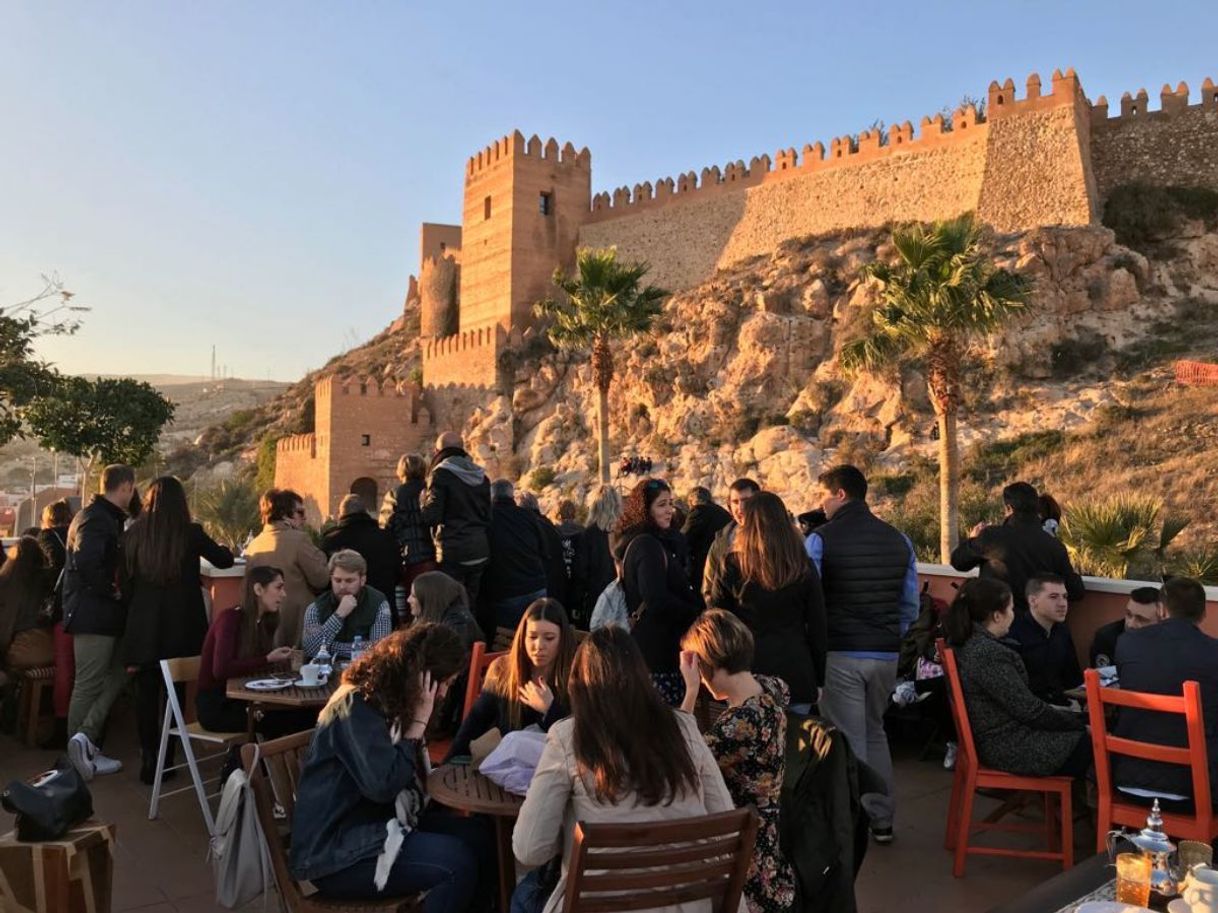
<point x="1178" y="144"/>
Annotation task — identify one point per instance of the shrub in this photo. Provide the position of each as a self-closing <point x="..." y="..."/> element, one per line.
<point x="229" y="512"/>
<point x="1200" y="564"/>
<point x="1073" y="356"/>
<point x="1119" y="537"/>
<point x="1142" y="214"/>
<point x="542" y="477"/>
<point x="1000" y="461"/>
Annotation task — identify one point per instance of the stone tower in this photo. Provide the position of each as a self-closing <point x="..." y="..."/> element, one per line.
<point x="523" y="208"/>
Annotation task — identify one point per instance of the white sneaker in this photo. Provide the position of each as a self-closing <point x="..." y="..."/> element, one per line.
<point x="80" y="753"/>
<point x="103" y="765"/>
<point x="949" y="757"/>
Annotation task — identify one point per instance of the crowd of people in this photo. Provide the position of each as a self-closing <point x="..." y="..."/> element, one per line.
<point x="779" y="618"/>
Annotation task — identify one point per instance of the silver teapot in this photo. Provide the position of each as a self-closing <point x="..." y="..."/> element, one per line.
<point x="1151" y="841"/>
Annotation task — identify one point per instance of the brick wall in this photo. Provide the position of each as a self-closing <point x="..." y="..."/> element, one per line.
<point x="468" y="358"/>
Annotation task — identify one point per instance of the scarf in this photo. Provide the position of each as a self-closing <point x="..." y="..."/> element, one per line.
<point x="360" y="620"/>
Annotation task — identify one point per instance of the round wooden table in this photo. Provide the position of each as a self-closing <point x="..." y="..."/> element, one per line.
<point x="461" y="787"/>
<point x="290" y="698"/>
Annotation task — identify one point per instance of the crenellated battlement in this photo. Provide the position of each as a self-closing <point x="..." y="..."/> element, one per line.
<point x="465" y="341"/>
<point x="298" y="443"/>
<point x="933" y="132"/>
<point x="369" y="386"/>
<point x="1172" y="102"/>
<point x="515" y="145"/>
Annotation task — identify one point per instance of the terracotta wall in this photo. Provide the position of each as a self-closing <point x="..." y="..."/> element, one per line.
<point x="1104" y="602"/>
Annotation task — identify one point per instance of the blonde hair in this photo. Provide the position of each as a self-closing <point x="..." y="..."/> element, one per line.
<point x="412" y="466"/>
<point x="349" y="560"/>
<point x="605" y="507"/>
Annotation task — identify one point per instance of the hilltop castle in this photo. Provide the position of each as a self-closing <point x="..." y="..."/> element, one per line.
<point x="1046" y="156"/>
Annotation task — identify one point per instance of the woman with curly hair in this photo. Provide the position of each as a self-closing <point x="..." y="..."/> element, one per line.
<point x="528" y="687"/>
<point x="363" y="786"/>
<point x="655" y="577"/>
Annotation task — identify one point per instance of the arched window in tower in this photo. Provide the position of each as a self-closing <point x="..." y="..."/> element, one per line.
<point x="545" y="203"/>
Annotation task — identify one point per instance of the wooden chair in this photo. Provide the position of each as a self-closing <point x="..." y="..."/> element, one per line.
<point x="971" y="776"/>
<point x="34" y="685"/>
<point x="274" y="780"/>
<point x="617" y="867"/>
<point x="1115" y="808"/>
<point x="185" y="670"/>
<point x="479" y="662"/>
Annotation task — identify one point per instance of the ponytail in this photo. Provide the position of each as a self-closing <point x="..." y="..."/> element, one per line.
<point x="976" y="602"/>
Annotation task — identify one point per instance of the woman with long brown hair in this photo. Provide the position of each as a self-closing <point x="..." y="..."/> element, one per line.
<point x="528" y="687"/>
<point x="434" y="596"/>
<point x="771" y="585"/>
<point x="159" y="579"/>
<point x="622" y="756"/>
<point x="25" y="636"/>
<point x="363" y="787"/>
<point x="655" y="578"/>
<point x="240" y="642"/>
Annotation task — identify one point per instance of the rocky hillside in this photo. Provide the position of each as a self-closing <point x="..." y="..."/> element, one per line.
<point x="741" y="378"/>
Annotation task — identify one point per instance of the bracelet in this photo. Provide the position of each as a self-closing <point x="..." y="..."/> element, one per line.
<point x="421" y="722"/>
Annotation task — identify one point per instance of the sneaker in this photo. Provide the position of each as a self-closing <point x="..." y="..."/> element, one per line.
<point x="949" y="757"/>
<point x="882" y="835"/>
<point x="80" y="753"/>
<point x="103" y="765"/>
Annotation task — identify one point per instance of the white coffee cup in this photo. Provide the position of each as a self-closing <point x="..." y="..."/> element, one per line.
<point x="310" y="674"/>
<point x="1201" y="889"/>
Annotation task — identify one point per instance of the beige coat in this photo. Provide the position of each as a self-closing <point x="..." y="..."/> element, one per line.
<point x="305" y="573"/>
<point x="558" y="797"/>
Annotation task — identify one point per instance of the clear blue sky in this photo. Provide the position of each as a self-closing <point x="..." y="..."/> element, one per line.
<point x="253" y="174"/>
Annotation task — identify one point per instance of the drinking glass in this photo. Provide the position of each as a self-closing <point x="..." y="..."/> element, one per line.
<point x="1133" y="879"/>
<point x="1193" y="852"/>
<point x="297" y="660"/>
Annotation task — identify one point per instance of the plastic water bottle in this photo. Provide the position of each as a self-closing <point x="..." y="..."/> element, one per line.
<point x="357" y="649"/>
<point x="323" y="661"/>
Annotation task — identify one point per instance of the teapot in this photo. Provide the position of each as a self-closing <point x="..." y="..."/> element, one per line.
<point x="1151" y="841"/>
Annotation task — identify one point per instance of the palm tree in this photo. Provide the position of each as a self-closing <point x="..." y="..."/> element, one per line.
<point x="1121" y="537"/>
<point x="604" y="300"/>
<point x="229" y="512"/>
<point x="942" y="292"/>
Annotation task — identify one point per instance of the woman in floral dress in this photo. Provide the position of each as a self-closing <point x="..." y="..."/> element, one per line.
<point x="748" y="740"/>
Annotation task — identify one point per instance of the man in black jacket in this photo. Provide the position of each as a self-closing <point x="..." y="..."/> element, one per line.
<point x="358" y="531"/>
<point x="1143" y="609"/>
<point x="1159" y="659"/>
<point x="1019" y="549"/>
<point x="870" y="580"/>
<point x="516" y="573"/>
<point x="93" y="613"/>
<point x="705" y="520"/>
<point x="457" y="507"/>
<point x="402" y="515"/>
<point x="557" y="582"/>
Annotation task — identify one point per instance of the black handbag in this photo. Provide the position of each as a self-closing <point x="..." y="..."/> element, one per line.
<point x="49" y="805"/>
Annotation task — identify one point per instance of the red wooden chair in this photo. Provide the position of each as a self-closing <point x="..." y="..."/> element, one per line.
<point x="971" y="776"/>
<point x="1117" y="809"/>
<point x="479" y="662"/>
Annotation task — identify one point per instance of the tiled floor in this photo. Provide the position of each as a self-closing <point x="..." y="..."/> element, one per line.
<point x="161" y="866"/>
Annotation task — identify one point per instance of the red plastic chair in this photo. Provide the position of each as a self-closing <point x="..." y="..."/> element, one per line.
<point x="1116" y="809"/>
<point x="971" y="776"/>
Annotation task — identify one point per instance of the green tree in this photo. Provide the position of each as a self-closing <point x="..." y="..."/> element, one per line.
<point x="1126" y="536"/>
<point x="942" y="292"/>
<point x="108" y="420"/>
<point x="229" y="511"/>
<point x="23" y="376"/>
<point x="603" y="301"/>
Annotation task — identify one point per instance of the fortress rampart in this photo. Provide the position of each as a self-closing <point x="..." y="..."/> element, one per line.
<point x="1177" y="144"/>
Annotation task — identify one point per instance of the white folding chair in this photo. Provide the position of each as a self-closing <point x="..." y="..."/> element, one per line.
<point x="183" y="671"/>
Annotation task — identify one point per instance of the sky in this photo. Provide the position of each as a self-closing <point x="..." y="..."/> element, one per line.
<point x="253" y="175"/>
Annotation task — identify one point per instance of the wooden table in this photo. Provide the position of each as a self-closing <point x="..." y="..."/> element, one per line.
<point x="1063" y="890"/>
<point x="291" y="698"/>
<point x="461" y="787"/>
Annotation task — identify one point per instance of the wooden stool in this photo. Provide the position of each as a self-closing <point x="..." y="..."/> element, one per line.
<point x="34" y="683"/>
<point x="74" y="874"/>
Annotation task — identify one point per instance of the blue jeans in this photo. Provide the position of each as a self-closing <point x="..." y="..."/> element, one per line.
<point x="451" y="858"/>
<point x="530" y="896"/>
<point x="508" y="612"/>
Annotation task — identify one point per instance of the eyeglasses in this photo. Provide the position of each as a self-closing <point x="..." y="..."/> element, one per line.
<point x="298" y="512"/>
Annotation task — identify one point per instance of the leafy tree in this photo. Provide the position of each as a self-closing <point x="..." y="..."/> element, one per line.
<point x="108" y="420"/>
<point x="23" y="376"/>
<point x="604" y="300"/>
<point x="229" y="511"/>
<point x="942" y="292"/>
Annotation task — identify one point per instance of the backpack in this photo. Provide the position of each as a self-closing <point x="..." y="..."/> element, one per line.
<point x="611" y="608"/>
<point x="240" y="860"/>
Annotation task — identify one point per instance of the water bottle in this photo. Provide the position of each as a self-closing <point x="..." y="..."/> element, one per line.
<point x="357" y="648"/>
<point x="322" y="659"/>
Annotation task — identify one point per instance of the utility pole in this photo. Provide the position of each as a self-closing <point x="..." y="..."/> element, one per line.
<point x="213" y="363"/>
